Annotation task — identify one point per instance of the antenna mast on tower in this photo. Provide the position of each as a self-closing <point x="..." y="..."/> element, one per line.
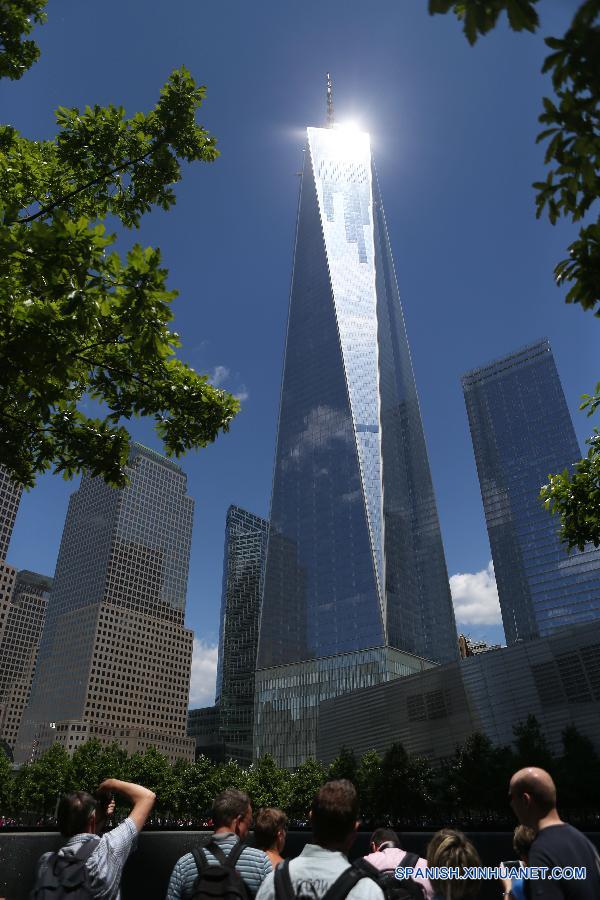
<point x="330" y="119"/>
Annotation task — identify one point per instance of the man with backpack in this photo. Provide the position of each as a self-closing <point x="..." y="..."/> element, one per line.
<point x="226" y="868"/>
<point x="322" y="870"/>
<point x="89" y="866"/>
<point x="387" y="856"/>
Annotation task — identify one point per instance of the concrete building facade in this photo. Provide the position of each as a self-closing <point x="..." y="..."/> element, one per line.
<point x="115" y="657"/>
<point x="19" y="642"/>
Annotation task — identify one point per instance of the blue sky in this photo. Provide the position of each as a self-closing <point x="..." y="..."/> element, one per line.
<point x="453" y="131"/>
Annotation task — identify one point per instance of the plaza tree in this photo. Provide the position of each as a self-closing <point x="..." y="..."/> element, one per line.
<point x="267" y="784"/>
<point x="531" y="746"/>
<point x="304" y="783"/>
<point x="476" y="779"/>
<point x="398" y="787"/>
<point x="345" y="765"/>
<point x="78" y="322"/>
<point x="570" y="190"/>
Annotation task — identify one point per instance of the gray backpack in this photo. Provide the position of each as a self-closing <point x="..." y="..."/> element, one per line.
<point x="65" y="876"/>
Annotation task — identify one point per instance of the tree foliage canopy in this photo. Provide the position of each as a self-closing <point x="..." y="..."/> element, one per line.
<point x="397" y="787"/>
<point x="78" y="322"/>
<point x="570" y="190"/>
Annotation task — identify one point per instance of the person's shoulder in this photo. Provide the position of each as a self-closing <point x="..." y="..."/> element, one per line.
<point x="123" y="834"/>
<point x="366" y="889"/>
<point x="186" y="861"/>
<point x="267" y="888"/>
<point x="253" y="854"/>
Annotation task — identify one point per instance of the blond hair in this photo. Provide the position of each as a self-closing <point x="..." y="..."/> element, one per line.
<point x="451" y="848"/>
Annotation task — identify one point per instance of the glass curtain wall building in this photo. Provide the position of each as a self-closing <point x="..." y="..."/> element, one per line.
<point x="115" y="658"/>
<point x="522" y="431"/>
<point x="243" y="571"/>
<point x="356" y="587"/>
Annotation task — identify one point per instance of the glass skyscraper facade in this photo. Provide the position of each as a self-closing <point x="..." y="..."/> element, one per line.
<point x="356" y="586"/>
<point x="115" y="658"/>
<point x="522" y="432"/>
<point x="243" y="571"/>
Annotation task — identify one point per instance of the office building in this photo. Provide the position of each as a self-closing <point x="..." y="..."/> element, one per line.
<point x="10" y="497"/>
<point x="243" y="570"/>
<point x="115" y="658"/>
<point x="203" y="727"/>
<point x="20" y="634"/>
<point x="356" y="587"/>
<point x="522" y="432"/>
<point x="468" y="646"/>
<point x="555" y="678"/>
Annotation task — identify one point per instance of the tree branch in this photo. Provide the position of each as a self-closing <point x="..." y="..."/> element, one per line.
<point x="84" y="187"/>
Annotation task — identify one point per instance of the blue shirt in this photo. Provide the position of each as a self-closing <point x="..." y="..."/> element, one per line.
<point x="253" y="865"/>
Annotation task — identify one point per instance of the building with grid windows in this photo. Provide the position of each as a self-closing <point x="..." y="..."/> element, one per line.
<point x="243" y="571"/>
<point x="356" y="587"/>
<point x="20" y="634"/>
<point x="522" y="431"/>
<point x="10" y="497"/>
<point x="115" y="658"/>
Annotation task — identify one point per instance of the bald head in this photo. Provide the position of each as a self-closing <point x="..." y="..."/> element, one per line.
<point x="532" y="794"/>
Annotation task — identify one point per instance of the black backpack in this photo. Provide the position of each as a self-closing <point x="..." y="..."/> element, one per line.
<point x="399" y="888"/>
<point x="220" y="882"/>
<point x="339" y="890"/>
<point x="65" y="876"/>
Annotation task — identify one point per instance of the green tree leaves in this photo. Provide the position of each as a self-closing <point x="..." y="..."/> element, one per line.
<point x="17" y="19"/>
<point x="396" y="787"/>
<point x="481" y="16"/>
<point x="77" y="321"/>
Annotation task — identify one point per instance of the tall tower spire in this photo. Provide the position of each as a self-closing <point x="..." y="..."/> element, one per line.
<point x="330" y="118"/>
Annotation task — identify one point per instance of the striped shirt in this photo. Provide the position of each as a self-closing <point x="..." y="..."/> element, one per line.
<point x="105" y="865"/>
<point x="253" y="865"/>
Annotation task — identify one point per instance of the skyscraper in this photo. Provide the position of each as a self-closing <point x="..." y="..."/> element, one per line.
<point x="115" y="657"/>
<point x="522" y="432"/>
<point x="20" y="633"/>
<point x="356" y="586"/>
<point x="10" y="497"/>
<point x="243" y="570"/>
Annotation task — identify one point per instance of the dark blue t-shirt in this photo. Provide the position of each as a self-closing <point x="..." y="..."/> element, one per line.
<point x="562" y="846"/>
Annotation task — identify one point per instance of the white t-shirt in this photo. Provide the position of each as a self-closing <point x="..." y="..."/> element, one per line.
<point x="314" y="871"/>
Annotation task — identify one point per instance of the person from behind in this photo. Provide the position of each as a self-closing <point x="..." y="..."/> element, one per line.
<point x="270" y="832"/>
<point x="451" y="849"/>
<point x="387" y="855"/>
<point x="94" y="863"/>
<point x="523" y="838"/>
<point x="226" y="852"/>
<point x="324" y="861"/>
<point x="532" y="795"/>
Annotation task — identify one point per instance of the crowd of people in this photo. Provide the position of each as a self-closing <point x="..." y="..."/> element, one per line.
<point x="228" y="867"/>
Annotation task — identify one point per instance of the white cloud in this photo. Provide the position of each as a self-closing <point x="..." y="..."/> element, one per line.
<point x="242" y="394"/>
<point x="221" y="374"/>
<point x="218" y="375"/>
<point x="204" y="674"/>
<point x="475" y="597"/>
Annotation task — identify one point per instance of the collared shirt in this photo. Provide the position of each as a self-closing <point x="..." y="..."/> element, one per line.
<point x="105" y="865"/>
<point x="313" y="873"/>
<point x="391" y="858"/>
<point x="253" y="865"/>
